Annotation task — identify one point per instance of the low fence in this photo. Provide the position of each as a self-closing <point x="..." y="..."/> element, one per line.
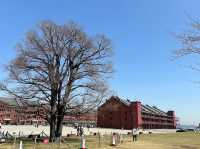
<point x="40" y="134"/>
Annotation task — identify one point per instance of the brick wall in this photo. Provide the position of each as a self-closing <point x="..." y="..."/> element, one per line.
<point x="115" y="113"/>
<point x="136" y="114"/>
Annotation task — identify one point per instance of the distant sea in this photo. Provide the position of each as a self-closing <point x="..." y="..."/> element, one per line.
<point x="187" y="126"/>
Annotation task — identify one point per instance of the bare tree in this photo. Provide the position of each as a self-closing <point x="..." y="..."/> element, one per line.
<point x="190" y="41"/>
<point x="64" y="68"/>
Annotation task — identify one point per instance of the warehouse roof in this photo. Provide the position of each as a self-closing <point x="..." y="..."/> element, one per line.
<point x="145" y="108"/>
<point x="153" y="110"/>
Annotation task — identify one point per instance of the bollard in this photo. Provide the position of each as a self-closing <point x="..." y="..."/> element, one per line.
<point x="35" y="142"/>
<point x="114" y="140"/>
<point x="99" y="138"/>
<point x="121" y="138"/>
<point x="82" y="145"/>
<point x="20" y="145"/>
<point x="14" y="143"/>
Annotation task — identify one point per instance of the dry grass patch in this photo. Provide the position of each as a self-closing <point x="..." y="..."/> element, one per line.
<point x="153" y="141"/>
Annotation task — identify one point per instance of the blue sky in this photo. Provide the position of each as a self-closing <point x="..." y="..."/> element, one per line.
<point x="141" y="32"/>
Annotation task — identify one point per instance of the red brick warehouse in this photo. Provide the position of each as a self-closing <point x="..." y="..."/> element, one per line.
<point x="23" y="112"/>
<point x="118" y="113"/>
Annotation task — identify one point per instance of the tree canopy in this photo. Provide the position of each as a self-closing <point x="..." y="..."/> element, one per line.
<point x="63" y="67"/>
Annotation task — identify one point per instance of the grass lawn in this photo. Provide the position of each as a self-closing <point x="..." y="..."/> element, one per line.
<point x="151" y="141"/>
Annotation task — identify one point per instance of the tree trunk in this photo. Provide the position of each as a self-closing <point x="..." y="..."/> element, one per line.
<point x="59" y="122"/>
<point x="52" y="128"/>
<point x="59" y="127"/>
<point x="53" y="116"/>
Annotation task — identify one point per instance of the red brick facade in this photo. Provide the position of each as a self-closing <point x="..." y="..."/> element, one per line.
<point x="14" y="111"/>
<point x="117" y="113"/>
<point x="10" y="114"/>
<point x="7" y="113"/>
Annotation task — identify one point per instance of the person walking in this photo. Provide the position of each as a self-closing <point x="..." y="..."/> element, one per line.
<point x="81" y="131"/>
<point x="78" y="130"/>
<point x="135" y="133"/>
